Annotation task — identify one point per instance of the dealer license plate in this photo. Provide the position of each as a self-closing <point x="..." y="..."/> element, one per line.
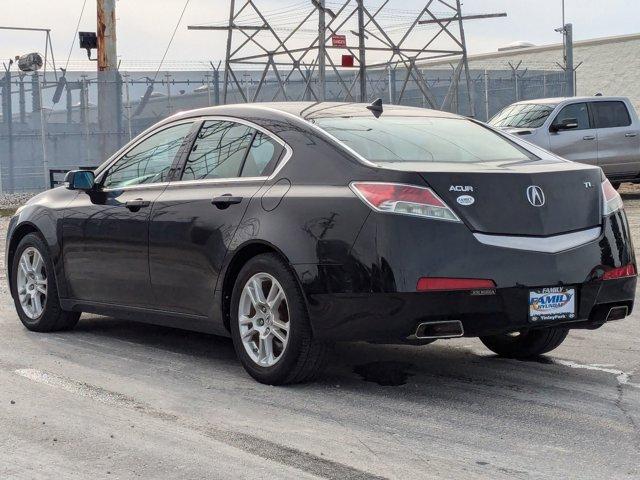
<point x="553" y="303"/>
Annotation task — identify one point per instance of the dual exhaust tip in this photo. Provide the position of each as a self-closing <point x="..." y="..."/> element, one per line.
<point x="453" y="328"/>
<point x="617" y="313"/>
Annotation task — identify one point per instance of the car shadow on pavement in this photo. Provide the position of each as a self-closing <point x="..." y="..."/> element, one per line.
<point x="168" y="339"/>
<point x="448" y="365"/>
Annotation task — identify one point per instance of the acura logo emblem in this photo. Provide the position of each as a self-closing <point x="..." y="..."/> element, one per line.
<point x="535" y="195"/>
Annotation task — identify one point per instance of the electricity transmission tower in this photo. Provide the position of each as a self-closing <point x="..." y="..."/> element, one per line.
<point x="345" y="43"/>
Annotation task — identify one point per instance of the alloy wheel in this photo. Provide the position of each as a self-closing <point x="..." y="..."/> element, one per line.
<point x="31" y="282"/>
<point x="263" y="317"/>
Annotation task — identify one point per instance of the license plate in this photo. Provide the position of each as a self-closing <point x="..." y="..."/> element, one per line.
<point x="553" y="303"/>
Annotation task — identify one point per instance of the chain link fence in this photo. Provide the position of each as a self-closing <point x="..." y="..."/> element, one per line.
<point x="49" y="126"/>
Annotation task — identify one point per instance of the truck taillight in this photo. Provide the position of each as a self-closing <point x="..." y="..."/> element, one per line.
<point x="612" y="201"/>
<point x="404" y="200"/>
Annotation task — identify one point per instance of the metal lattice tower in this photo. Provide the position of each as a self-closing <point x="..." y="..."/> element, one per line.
<point x="377" y="41"/>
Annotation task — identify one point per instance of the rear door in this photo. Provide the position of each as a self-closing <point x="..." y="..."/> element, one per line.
<point x="618" y="139"/>
<point x="195" y="219"/>
<point x="578" y="144"/>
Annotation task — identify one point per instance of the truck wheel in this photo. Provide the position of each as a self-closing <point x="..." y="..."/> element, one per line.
<point x="34" y="289"/>
<point x="526" y="344"/>
<point x="270" y="324"/>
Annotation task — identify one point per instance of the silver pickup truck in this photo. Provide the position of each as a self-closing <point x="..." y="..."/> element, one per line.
<point x="597" y="130"/>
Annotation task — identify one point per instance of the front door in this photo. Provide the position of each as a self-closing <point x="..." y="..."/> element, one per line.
<point x="577" y="144"/>
<point x="194" y="220"/>
<point x="106" y="231"/>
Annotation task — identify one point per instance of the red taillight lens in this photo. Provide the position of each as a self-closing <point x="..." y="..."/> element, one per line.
<point x="620" y="272"/>
<point x="404" y="200"/>
<point x="611" y="198"/>
<point x="430" y="284"/>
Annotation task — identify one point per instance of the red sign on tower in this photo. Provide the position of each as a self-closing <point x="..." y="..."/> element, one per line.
<point x="338" y="40"/>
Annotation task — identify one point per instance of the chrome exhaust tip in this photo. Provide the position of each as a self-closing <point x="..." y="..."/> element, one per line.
<point x="440" y="329"/>
<point x="617" y="313"/>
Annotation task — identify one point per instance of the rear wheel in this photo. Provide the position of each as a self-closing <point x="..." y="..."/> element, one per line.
<point x="34" y="289"/>
<point x="270" y="324"/>
<point x="526" y="344"/>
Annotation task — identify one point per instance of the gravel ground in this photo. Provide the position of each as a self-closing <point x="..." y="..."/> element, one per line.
<point x="116" y="399"/>
<point x="14" y="200"/>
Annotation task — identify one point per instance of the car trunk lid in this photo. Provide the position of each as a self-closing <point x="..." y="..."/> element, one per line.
<point x="534" y="198"/>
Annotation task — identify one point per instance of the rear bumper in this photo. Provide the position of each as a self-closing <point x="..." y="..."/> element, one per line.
<point x="374" y="298"/>
<point x="395" y="317"/>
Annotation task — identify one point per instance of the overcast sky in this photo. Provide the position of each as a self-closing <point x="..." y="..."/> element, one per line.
<point x="145" y="26"/>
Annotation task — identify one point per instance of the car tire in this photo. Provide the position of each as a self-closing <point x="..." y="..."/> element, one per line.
<point x="271" y="332"/>
<point x="526" y="344"/>
<point x="34" y="288"/>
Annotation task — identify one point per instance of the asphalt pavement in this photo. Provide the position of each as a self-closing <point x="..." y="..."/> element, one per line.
<point x="118" y="400"/>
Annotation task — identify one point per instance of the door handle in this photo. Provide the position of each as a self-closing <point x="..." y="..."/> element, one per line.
<point x="223" y="201"/>
<point x="630" y="134"/>
<point x="137" y="204"/>
<point x="589" y="137"/>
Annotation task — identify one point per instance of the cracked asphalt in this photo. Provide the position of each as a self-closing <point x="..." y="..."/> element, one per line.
<point x="119" y="400"/>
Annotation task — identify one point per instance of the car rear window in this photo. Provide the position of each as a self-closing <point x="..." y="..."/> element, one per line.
<point x="421" y="139"/>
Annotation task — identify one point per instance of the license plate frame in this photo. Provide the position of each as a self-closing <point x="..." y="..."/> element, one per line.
<point x="552" y="304"/>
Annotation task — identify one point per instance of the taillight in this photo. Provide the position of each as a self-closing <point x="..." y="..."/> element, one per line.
<point x="432" y="284"/>
<point x="404" y="200"/>
<point x="620" y="272"/>
<point x="612" y="201"/>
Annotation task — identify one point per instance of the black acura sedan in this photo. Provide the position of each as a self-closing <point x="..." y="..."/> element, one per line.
<point x="293" y="225"/>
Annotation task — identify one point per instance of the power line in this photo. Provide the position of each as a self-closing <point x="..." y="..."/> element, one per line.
<point x="186" y="4"/>
<point x="73" y="40"/>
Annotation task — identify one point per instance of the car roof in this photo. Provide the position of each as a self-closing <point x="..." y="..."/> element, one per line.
<point x="314" y="110"/>
<point x="558" y="100"/>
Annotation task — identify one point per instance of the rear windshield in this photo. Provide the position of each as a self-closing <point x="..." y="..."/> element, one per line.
<point x="421" y="139"/>
<point x="527" y="115"/>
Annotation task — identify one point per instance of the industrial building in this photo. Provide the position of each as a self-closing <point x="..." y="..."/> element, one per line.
<point x="607" y="65"/>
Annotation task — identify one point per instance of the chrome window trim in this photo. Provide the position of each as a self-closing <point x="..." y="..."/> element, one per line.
<point x="203" y="118"/>
<point x="214" y="181"/>
<point x="139" y="186"/>
<point x="552" y="244"/>
<point x="287" y="156"/>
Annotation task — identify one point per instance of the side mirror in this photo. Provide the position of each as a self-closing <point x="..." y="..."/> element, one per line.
<point x="80" y="180"/>
<point x="565" y="124"/>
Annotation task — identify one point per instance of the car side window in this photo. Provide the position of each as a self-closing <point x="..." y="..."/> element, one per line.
<point x="149" y="161"/>
<point x="262" y="157"/>
<point x="610" y="114"/>
<point x="218" y="151"/>
<point x="579" y="111"/>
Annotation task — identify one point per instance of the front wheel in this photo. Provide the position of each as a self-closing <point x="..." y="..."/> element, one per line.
<point x="34" y="288"/>
<point x="526" y="344"/>
<point x="270" y="324"/>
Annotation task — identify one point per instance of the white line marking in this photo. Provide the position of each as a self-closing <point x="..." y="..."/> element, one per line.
<point x="79" y="388"/>
<point x="621" y="377"/>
